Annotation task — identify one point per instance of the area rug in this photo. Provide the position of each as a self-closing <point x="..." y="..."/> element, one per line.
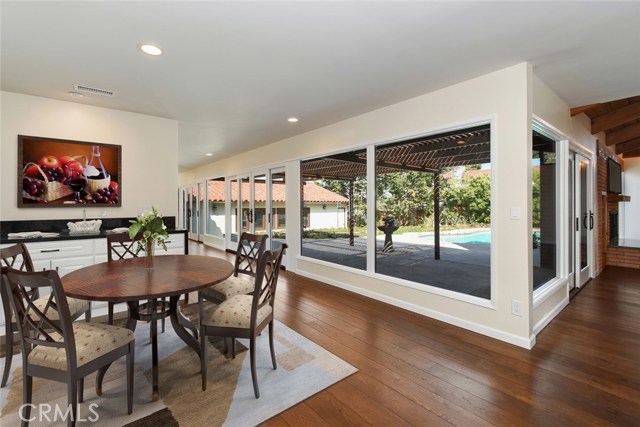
<point x="304" y="368"/>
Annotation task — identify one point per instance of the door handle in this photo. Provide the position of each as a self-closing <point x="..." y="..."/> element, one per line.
<point x="584" y="222"/>
<point x="250" y="216"/>
<point x="590" y="220"/>
<point x="577" y="224"/>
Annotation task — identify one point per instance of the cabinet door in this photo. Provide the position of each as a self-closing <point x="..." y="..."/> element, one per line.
<point x="66" y="266"/>
<point x="175" y="245"/>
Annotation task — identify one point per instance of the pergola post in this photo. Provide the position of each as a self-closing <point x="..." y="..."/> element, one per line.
<point x="436" y="215"/>
<point x="351" y="220"/>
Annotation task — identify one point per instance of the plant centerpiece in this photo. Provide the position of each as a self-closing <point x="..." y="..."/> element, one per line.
<point x="150" y="225"/>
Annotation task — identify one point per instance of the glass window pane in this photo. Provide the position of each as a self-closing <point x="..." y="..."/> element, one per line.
<point x="433" y="210"/>
<point x="235" y="191"/>
<point x="543" y="163"/>
<point x="278" y="200"/>
<point x="215" y="207"/>
<point x="334" y="201"/>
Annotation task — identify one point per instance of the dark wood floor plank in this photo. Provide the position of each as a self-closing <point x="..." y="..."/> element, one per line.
<point x="410" y="411"/>
<point x="300" y="415"/>
<point x="418" y="371"/>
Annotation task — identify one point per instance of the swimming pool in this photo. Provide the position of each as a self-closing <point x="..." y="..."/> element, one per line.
<point x="481" y="237"/>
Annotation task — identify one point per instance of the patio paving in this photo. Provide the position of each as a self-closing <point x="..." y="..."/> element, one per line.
<point x="463" y="268"/>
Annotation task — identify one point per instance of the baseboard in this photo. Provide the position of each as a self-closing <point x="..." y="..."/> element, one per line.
<point x="550" y="316"/>
<point x="447" y="318"/>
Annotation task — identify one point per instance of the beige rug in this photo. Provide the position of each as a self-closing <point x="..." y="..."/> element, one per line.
<point x="304" y="369"/>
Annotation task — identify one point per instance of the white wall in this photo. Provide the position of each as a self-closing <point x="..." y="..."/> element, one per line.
<point x="325" y="218"/>
<point x="149" y="153"/>
<point x="553" y="111"/>
<point x="504" y="98"/>
<point x="631" y="187"/>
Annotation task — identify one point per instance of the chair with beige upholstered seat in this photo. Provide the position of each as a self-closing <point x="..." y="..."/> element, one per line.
<point x="61" y="350"/>
<point x="250" y="248"/>
<point x="244" y="316"/>
<point x="18" y="257"/>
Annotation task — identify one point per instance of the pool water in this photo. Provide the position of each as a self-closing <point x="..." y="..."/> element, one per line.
<point x="482" y="237"/>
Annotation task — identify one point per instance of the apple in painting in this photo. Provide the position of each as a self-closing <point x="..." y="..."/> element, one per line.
<point x="74" y="166"/>
<point x="65" y="159"/>
<point x="51" y="162"/>
<point x="114" y="186"/>
<point x="33" y="172"/>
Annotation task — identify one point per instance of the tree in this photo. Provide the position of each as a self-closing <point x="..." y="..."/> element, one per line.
<point x="470" y="198"/>
<point x="406" y="196"/>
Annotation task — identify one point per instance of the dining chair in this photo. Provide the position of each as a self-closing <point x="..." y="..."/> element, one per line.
<point x="18" y="257"/>
<point x="121" y="246"/>
<point x="55" y="348"/>
<point x="244" y="316"/>
<point x="250" y="248"/>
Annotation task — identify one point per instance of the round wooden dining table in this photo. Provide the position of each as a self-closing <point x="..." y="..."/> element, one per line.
<point x="129" y="281"/>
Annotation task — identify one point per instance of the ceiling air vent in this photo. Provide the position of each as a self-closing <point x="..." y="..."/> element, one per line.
<point x="93" y="90"/>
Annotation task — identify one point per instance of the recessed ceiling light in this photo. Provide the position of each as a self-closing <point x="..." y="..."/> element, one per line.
<point x="150" y="49"/>
<point x="292" y="119"/>
<point x="76" y="94"/>
<point x="208" y="154"/>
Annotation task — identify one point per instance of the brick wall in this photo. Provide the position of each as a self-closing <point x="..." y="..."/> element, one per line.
<point x="622" y="257"/>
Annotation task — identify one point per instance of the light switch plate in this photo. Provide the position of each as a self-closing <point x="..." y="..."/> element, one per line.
<point x="515" y="213"/>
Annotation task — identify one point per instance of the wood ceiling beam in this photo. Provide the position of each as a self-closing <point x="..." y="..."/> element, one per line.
<point x="634" y="153"/>
<point x="623" y="135"/>
<point x="577" y="110"/>
<point x="616" y="118"/>
<point x="625" y="147"/>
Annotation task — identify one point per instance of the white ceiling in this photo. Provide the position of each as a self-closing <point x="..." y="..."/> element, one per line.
<point x="233" y="72"/>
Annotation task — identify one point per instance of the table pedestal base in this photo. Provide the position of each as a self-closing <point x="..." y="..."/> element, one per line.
<point x="181" y="326"/>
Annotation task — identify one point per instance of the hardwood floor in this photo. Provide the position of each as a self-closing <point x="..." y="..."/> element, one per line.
<point x="584" y="370"/>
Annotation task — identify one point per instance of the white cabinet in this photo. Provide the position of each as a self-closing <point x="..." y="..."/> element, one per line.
<point x="66" y="256"/>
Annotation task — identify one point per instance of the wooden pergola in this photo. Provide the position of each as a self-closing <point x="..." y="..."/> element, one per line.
<point x="432" y="153"/>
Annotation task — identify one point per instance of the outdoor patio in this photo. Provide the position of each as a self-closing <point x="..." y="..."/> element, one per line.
<point x="462" y="267"/>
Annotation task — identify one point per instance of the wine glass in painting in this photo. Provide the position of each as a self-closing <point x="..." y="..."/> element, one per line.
<point x="77" y="183"/>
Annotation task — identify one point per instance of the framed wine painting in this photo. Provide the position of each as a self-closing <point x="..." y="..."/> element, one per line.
<point x="64" y="173"/>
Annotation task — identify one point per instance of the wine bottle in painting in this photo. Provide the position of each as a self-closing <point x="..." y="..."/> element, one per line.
<point x="97" y="175"/>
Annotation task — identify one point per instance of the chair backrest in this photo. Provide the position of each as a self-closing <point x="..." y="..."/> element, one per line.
<point x="121" y="246"/>
<point x="250" y="249"/>
<point x="37" y="326"/>
<point x="266" y="280"/>
<point x="16" y="257"/>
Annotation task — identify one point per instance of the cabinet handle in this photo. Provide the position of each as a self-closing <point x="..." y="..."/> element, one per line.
<point x="49" y="250"/>
<point x="167" y="241"/>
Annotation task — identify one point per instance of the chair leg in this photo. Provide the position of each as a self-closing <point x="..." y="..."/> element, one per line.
<point x="100" y="377"/>
<point x="72" y="390"/>
<point x="130" y="359"/>
<point x="252" y="354"/>
<point x="8" y="353"/>
<point x="273" y="352"/>
<point x="110" y="313"/>
<point x="233" y="348"/>
<point x="203" y="357"/>
<point x="164" y="300"/>
<point x="81" y="390"/>
<point x="27" y="389"/>
<point x="87" y="315"/>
